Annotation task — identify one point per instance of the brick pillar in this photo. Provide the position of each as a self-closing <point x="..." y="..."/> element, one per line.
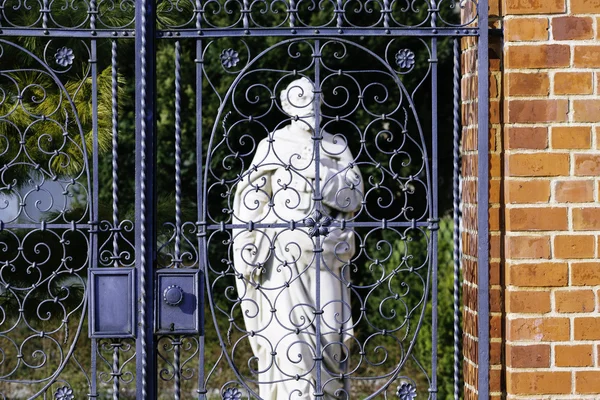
<point x="469" y="91"/>
<point x="544" y="202"/>
<point x="552" y="162"/>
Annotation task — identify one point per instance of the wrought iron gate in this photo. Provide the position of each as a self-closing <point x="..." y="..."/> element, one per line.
<point x="229" y="198"/>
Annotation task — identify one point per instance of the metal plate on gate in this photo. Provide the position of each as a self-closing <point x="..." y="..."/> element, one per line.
<point x="177" y="298"/>
<point x="112" y="305"/>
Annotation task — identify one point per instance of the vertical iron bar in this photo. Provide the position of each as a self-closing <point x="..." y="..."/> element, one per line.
<point x="198" y="15"/>
<point x="177" y="261"/>
<point x="93" y="12"/>
<point x="317" y="198"/>
<point x="95" y="183"/>
<point x="483" y="311"/>
<point x="292" y="11"/>
<point x="177" y="368"/>
<point x="434" y="208"/>
<point x="340" y="13"/>
<point x="115" y="155"/>
<point x="145" y="196"/>
<point x="386" y="13"/>
<point x="115" y="370"/>
<point x="245" y="11"/>
<point x="455" y="215"/>
<point x="456" y="227"/>
<point x="45" y="11"/>
<point x="200" y="203"/>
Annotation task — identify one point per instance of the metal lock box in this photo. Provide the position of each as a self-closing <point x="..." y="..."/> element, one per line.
<point x="177" y="301"/>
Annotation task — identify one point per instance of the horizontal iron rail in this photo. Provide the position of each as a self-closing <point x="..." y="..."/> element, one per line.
<point x="318" y="32"/>
<point x="48" y="226"/>
<point x="259" y="32"/>
<point x="334" y="224"/>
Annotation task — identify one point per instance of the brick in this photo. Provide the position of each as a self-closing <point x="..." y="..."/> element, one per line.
<point x="585" y="6"/>
<point x="496" y="326"/>
<point x="496" y="353"/>
<point x="574" y="246"/>
<point x="495" y="300"/>
<point x="536" y="219"/>
<point x="586" y="219"/>
<point x="494" y="112"/>
<point x="531" y="356"/>
<point x="538" y="164"/>
<point x="534" y="138"/>
<point x="572" y="28"/>
<point x="587" y="56"/>
<point x="516" y="7"/>
<point x="538" y="275"/>
<point x="537" y="302"/>
<point x="530" y="191"/>
<point x="573" y="83"/>
<point x="532" y="111"/>
<point x="531" y="84"/>
<point x="587" y="382"/>
<point x="574" y="191"/>
<point x="526" y="29"/>
<point x="586" y="110"/>
<point x="585" y="274"/>
<point x="587" y="164"/>
<point x="541" y="329"/>
<point x="574" y="301"/>
<point x="495" y="191"/>
<point x="571" y="137"/>
<point x="587" y="328"/>
<point x="493" y="86"/>
<point x="528" y="247"/>
<point x="542" y="382"/>
<point x="538" y="56"/>
<point x="574" y="356"/>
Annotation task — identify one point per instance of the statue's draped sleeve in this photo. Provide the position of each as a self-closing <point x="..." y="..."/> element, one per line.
<point x="342" y="184"/>
<point x="251" y="206"/>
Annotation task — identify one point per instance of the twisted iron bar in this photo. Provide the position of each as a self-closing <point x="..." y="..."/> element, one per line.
<point x="115" y="370"/>
<point x="177" y="367"/>
<point x="177" y="261"/>
<point x="143" y="261"/>
<point x="456" y="217"/>
<point x="115" y="154"/>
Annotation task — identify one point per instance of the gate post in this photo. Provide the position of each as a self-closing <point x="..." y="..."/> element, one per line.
<point x="145" y="72"/>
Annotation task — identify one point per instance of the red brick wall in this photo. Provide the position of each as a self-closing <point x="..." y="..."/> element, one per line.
<point x="469" y="90"/>
<point x="544" y="193"/>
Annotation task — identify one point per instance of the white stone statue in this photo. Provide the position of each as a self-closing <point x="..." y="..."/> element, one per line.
<point x="276" y="266"/>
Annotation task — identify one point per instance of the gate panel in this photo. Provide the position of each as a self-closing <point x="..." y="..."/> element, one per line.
<point x="369" y="113"/>
<point x="46" y="183"/>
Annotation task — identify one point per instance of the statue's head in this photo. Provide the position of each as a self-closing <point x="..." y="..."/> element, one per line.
<point x="297" y="100"/>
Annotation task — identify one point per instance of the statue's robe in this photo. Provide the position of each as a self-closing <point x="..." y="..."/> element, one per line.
<point x="277" y="266"/>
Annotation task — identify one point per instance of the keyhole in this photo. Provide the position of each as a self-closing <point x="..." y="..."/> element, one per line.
<point x="172" y="327"/>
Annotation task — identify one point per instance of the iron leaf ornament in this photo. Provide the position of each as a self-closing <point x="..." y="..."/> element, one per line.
<point x="230" y="58"/>
<point x="318" y="223"/>
<point x="64" y="393"/>
<point x="64" y="56"/>
<point x="232" y="394"/>
<point x="406" y="391"/>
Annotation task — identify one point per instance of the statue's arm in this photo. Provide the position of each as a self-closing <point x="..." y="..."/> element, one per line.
<point x="254" y="198"/>
<point x="343" y="187"/>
